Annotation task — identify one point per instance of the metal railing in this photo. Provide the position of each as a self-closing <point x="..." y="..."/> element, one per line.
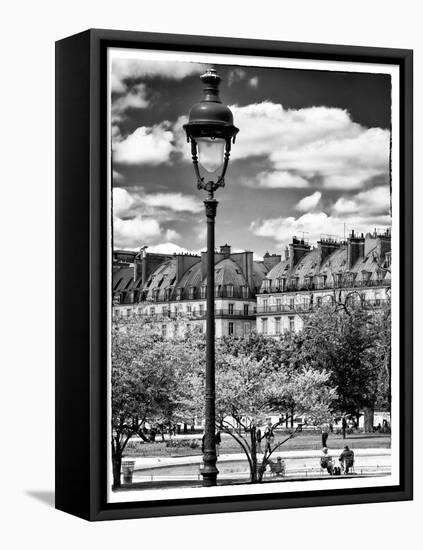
<point x="307" y="308"/>
<point x="326" y="286"/>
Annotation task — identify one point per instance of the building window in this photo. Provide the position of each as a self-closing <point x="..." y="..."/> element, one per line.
<point x="152" y="310"/>
<point x="264" y="326"/>
<point x="246" y="309"/>
<point x="277" y="325"/>
<point x="291" y="319"/>
<point x="165" y="310"/>
<point x="247" y="329"/>
<point x="291" y="303"/>
<point x="178" y="293"/>
<point x="265" y="305"/>
<point x="201" y="309"/>
<point x="245" y="291"/>
<point x="191" y="292"/>
<point x="278" y="304"/>
<point x="231" y="309"/>
<point x="318" y="301"/>
<point x="266" y="285"/>
<point x="156" y="294"/>
<point x="231" y="328"/>
<point x="189" y="309"/>
<point x="164" y="331"/>
<point x="203" y="291"/>
<point x="230" y="290"/>
<point x="217" y="291"/>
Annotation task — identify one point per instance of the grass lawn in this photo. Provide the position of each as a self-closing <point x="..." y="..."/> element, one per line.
<point x="302" y="441"/>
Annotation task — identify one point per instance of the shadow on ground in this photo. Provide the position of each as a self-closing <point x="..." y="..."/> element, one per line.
<point x="46" y="497"/>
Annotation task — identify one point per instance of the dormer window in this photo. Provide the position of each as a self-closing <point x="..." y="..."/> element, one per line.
<point x="266" y="285"/>
<point x="191" y="291"/>
<point x="365" y="276"/>
<point x="245" y="291"/>
<point x="203" y="292"/>
<point x="321" y="281"/>
<point x="179" y="293"/>
<point x="230" y="290"/>
<point x="217" y="291"/>
<point x="337" y="277"/>
<point x="156" y="294"/>
<point x="293" y="282"/>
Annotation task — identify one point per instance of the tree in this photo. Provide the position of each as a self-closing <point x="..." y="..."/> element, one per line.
<point x="248" y="390"/>
<point x="352" y="343"/>
<point x="151" y="382"/>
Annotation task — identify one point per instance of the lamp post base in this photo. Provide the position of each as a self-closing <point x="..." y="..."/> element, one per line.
<point x="209" y="473"/>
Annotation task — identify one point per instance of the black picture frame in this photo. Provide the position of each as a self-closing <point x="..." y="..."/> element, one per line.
<point x="81" y="273"/>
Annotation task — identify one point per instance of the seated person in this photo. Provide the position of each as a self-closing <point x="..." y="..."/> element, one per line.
<point x="347" y="459"/>
<point x="326" y="461"/>
<point x="278" y="467"/>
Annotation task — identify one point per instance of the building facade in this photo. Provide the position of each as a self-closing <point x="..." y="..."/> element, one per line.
<point x="269" y="296"/>
<point x="170" y="290"/>
<point x="356" y="270"/>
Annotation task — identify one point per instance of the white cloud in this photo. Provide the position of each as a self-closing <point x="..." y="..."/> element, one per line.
<point x="273" y="180"/>
<point x="135" y="232"/>
<point x="138" y="216"/>
<point x="318" y="143"/>
<point x="310" y="202"/>
<point x="236" y="75"/>
<point x="174" y="201"/>
<point x="253" y="82"/>
<point x="372" y="201"/>
<point x="315" y="224"/>
<point x="124" y="69"/>
<point x="146" y="145"/>
<point x="123" y="201"/>
<point x="168" y="248"/>
<point x="134" y="98"/>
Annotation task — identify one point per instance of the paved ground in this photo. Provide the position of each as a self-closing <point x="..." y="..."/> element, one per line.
<point x="299" y="464"/>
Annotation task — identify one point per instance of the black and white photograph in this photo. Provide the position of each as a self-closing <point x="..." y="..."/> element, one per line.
<point x="253" y="275"/>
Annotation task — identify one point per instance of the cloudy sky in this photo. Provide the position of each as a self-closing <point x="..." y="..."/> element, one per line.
<point x="312" y="154"/>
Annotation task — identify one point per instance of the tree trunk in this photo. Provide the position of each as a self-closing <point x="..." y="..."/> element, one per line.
<point x="253" y="466"/>
<point x="292" y="417"/>
<point x="117" y="466"/>
<point x="369" y="414"/>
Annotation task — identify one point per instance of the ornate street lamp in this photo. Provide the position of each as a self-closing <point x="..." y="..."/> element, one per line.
<point x="211" y="131"/>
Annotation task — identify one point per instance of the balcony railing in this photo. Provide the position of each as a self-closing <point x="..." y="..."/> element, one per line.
<point x="326" y="286"/>
<point x="307" y="308"/>
<point x="197" y="314"/>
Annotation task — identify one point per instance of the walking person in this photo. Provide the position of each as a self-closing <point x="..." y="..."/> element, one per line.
<point x="344" y="426"/>
<point x="258" y="440"/>
<point x="269" y="437"/>
<point x="218" y="441"/>
<point x="325" y="434"/>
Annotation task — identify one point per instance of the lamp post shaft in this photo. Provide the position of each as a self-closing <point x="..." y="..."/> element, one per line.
<point x="210" y="471"/>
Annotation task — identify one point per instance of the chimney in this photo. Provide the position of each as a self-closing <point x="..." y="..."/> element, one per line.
<point x="355" y="248"/>
<point x="326" y="246"/>
<point x="245" y="261"/>
<point x="297" y="249"/>
<point x="270" y="260"/>
<point x="225" y="250"/>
